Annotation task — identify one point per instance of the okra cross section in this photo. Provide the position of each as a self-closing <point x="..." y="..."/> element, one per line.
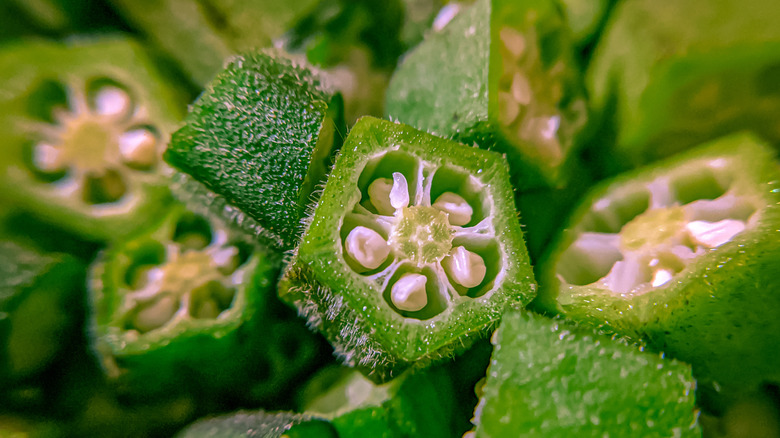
<point x="185" y="308"/>
<point x="412" y="252"/>
<point x="85" y="126"/>
<point x="684" y="255"/>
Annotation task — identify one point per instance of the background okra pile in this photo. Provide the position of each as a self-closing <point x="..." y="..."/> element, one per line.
<point x="406" y="218"/>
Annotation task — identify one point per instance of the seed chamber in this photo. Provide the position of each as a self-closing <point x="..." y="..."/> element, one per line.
<point x="190" y="270"/>
<point x="640" y="237"/>
<point x="421" y="234"/>
<point x="89" y="141"/>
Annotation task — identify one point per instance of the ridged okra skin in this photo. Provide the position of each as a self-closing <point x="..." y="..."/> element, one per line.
<point x="527" y="104"/>
<point x="413" y="251"/>
<point x="684" y="255"/>
<point x="84" y="125"/>
<point x="262" y="136"/>
<point x="41" y="303"/>
<point x="243" y="424"/>
<point x="550" y="378"/>
<point x="673" y="75"/>
<point x="188" y="307"/>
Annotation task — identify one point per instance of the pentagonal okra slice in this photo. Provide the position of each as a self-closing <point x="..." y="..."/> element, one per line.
<point x="527" y="104"/>
<point x="262" y="137"/>
<point x="41" y="306"/>
<point x="412" y="252"/>
<point x="554" y="379"/>
<point x="180" y="308"/>
<point x="694" y="76"/>
<point x="683" y="254"/>
<point x="84" y="127"/>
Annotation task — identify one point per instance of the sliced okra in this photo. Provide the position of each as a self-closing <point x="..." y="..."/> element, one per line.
<point x="185" y="308"/>
<point x="243" y="423"/>
<point x="84" y="127"/>
<point x="685" y="256"/>
<point x="551" y="378"/>
<point x="262" y="137"/>
<point x="527" y="104"/>
<point x="41" y="303"/>
<point x="693" y="76"/>
<point x="412" y="252"/>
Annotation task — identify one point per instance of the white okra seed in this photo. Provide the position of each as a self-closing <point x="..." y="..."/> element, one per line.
<point x="399" y="194"/>
<point x="714" y="234"/>
<point x="513" y="40"/>
<point x="408" y="293"/>
<point x="465" y="267"/>
<point x="138" y="146"/>
<point x="379" y="196"/>
<point x="112" y="101"/>
<point x="156" y="315"/>
<point x="47" y="157"/>
<point x="458" y="210"/>
<point x="367" y="247"/>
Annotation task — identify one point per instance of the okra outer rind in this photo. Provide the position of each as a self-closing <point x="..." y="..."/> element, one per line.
<point x="351" y="310"/>
<point x="718" y="312"/>
<point x="262" y="136"/>
<point x="228" y="355"/>
<point x="36" y="78"/>
<point x="41" y="304"/>
<point x="552" y="378"/>
<point x="242" y="424"/>
<point x="679" y="75"/>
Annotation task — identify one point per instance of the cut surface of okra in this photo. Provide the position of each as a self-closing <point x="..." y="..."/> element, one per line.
<point x="412" y="252"/>
<point x="527" y="104"/>
<point x="262" y="136"/>
<point x="683" y="254"/>
<point x="187" y="306"/>
<point x="553" y="379"/>
<point x="84" y="127"/>
<point x="692" y="75"/>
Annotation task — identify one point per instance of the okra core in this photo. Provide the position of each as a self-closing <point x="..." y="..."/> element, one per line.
<point x="422" y="233"/>
<point x="95" y="138"/>
<point x="639" y="238"/>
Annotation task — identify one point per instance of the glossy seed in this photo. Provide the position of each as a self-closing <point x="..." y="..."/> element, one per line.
<point x="367" y="247"/>
<point x="465" y="267"/>
<point x="379" y="196"/>
<point x="714" y="234"/>
<point x="47" y="158"/>
<point x="408" y="293"/>
<point x="138" y="147"/>
<point x="458" y="211"/>
<point x="399" y="194"/>
<point x="112" y="101"/>
<point x="155" y="315"/>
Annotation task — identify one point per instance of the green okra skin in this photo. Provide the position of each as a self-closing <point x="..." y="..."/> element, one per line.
<point x="412" y="252"/>
<point x="672" y="75"/>
<point x="187" y="308"/>
<point x="41" y="305"/>
<point x="202" y="35"/>
<point x="527" y="104"/>
<point x="683" y="255"/>
<point x="262" y="136"/>
<point x="84" y="126"/>
<point x="243" y="424"/>
<point x="555" y="379"/>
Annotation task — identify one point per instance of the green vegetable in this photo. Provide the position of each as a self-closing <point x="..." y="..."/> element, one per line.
<point x="84" y="125"/>
<point x="412" y="252"/>
<point x="262" y="136"/>
<point x="548" y="378"/>
<point x="674" y="74"/>
<point x="243" y="424"/>
<point x="527" y="103"/>
<point x="41" y="306"/>
<point x="187" y="308"/>
<point x="683" y="254"/>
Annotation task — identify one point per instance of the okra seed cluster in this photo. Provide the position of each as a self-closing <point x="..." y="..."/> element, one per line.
<point x="98" y="137"/>
<point x="639" y="239"/>
<point x="422" y="233"/>
<point x="195" y="276"/>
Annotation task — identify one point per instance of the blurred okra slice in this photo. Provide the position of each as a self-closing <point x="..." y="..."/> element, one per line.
<point x="84" y="125"/>
<point x="673" y="75"/>
<point x="412" y="252"/>
<point x="200" y="35"/>
<point x="527" y="104"/>
<point x="554" y="379"/>
<point x="243" y="424"/>
<point x="188" y="307"/>
<point x="685" y="255"/>
<point x="41" y="307"/>
<point x="262" y="136"/>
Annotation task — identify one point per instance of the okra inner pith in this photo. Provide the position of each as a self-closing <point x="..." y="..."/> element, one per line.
<point x="640" y="237"/>
<point x="422" y="233"/>
<point x="88" y="141"/>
